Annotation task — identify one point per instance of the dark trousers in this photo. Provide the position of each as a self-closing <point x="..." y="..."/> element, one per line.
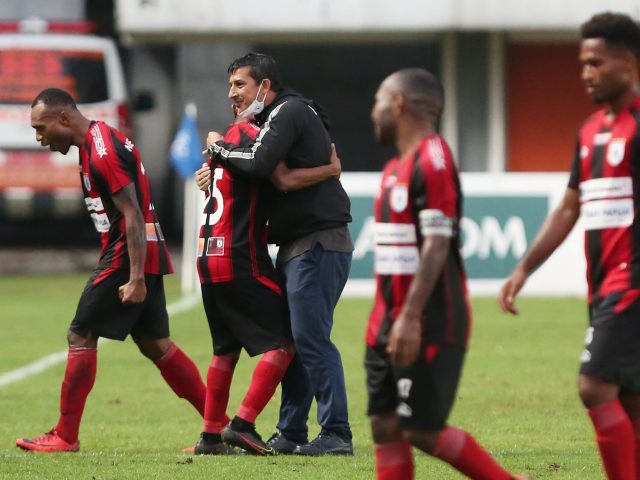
<point x="315" y="280"/>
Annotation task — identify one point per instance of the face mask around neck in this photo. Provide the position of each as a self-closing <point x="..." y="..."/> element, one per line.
<point x="256" y="106"/>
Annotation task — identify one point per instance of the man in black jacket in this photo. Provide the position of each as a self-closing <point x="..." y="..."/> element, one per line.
<point x="310" y="227"/>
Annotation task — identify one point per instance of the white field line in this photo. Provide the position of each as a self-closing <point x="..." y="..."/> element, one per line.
<point x="179" y="306"/>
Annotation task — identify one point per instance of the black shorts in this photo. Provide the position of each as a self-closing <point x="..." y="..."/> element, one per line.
<point x="101" y="312"/>
<point x="422" y="395"/>
<point x="612" y="344"/>
<point x="246" y="313"/>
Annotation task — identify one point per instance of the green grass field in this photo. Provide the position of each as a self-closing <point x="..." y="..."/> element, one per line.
<point x="517" y="396"/>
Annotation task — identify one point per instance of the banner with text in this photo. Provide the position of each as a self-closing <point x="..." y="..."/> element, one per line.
<point x="502" y="214"/>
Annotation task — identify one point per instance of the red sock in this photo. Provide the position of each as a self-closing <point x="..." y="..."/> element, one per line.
<point x="182" y="375"/>
<point x="79" y="377"/>
<point x="636" y="430"/>
<point x="219" y="378"/>
<point x="462" y="452"/>
<point x="266" y="377"/>
<point x="394" y="461"/>
<point x="616" y="440"/>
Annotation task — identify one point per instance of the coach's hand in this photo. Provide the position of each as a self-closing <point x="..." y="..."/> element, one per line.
<point x="510" y="289"/>
<point x="203" y="177"/>
<point x="214" y="137"/>
<point x="134" y="291"/>
<point x="404" y="340"/>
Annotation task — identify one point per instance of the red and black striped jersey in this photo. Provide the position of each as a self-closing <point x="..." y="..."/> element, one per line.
<point x="233" y="235"/>
<point x="420" y="196"/>
<point x="109" y="162"/>
<point x="606" y="171"/>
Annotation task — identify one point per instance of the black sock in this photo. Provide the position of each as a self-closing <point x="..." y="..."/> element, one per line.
<point x="211" y="437"/>
<point x="242" y="425"/>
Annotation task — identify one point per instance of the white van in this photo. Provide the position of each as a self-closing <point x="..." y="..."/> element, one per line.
<point x="33" y="181"/>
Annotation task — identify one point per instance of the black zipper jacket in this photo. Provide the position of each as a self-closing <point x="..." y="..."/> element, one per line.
<point x="295" y="129"/>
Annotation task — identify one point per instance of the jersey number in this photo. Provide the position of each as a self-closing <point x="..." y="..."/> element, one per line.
<point x="216" y="194"/>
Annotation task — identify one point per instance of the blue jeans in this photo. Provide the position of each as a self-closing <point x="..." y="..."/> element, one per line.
<point x="315" y="280"/>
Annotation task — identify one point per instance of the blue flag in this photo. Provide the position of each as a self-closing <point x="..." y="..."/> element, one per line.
<point x="186" y="150"/>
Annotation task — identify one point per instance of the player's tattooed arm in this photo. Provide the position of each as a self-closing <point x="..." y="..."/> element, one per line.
<point x="406" y="336"/>
<point x="125" y="200"/>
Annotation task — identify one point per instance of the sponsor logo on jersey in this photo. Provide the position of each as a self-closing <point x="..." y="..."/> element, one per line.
<point x="392" y="260"/>
<point x="615" y="151"/>
<point x="215" y="246"/>
<point x="602" y="214"/>
<point x="101" y="222"/>
<point x="393" y="233"/>
<point x="601" y="138"/>
<point x="606" y="187"/>
<point x="98" y="141"/>
<point x="94" y="204"/>
<point x="128" y="145"/>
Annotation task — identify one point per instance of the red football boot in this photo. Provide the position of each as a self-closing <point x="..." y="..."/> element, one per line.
<point x="49" y="442"/>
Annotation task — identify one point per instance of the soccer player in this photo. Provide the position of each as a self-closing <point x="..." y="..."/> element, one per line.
<point x="244" y="296"/>
<point x="310" y="226"/>
<point x="125" y="293"/>
<point x="604" y="185"/>
<point x="419" y="326"/>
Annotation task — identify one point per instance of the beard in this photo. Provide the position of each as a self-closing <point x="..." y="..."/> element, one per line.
<point x="385" y="134"/>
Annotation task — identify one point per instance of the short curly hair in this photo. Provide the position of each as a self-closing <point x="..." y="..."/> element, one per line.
<point x="617" y="29"/>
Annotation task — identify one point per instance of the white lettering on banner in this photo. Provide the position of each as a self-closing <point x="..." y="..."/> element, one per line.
<point x="482" y="239"/>
<point x="94" y="203"/>
<point x="101" y="222"/>
<point x="602" y="214"/>
<point x="608" y="187"/>
<point x="396" y="260"/>
<point x="393" y="233"/>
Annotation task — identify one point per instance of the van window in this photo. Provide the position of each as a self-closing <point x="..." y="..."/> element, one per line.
<point x="24" y="73"/>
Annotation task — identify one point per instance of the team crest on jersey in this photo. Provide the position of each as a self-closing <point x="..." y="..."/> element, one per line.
<point x="86" y="181"/>
<point x="399" y="198"/>
<point x="615" y="151"/>
<point x="128" y="145"/>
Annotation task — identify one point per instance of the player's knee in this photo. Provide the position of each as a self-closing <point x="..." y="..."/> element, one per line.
<point x="152" y="348"/>
<point x="425" y="441"/>
<point x="86" y="340"/>
<point x="385" y="428"/>
<point x="594" y="392"/>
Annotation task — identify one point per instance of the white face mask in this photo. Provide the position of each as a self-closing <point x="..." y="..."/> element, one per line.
<point x="255" y="108"/>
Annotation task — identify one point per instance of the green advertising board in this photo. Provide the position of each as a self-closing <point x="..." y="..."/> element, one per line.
<point x="496" y="231"/>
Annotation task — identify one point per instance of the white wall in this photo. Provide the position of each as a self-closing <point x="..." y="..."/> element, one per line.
<point x="223" y="17"/>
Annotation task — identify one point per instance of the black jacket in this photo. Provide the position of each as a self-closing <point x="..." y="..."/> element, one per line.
<point x="293" y="129"/>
